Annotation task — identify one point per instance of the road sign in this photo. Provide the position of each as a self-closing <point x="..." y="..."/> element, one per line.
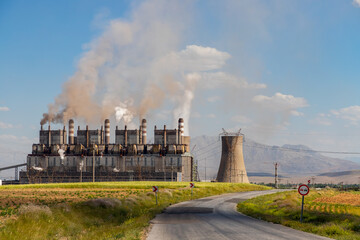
<point x="303" y="190"/>
<point x="191" y="185"/>
<point x="155" y="189"/>
<point x="309" y="181"/>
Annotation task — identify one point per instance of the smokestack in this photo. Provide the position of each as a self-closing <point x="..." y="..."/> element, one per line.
<point x="102" y="135"/>
<point x="71" y="132"/>
<point x="140" y="134"/>
<point x="42" y="127"/>
<point x="107" y="131"/>
<point x="143" y="128"/>
<point x="125" y="136"/>
<point x="164" y="135"/>
<point x="87" y="136"/>
<point x="181" y="130"/>
<point x="232" y="167"/>
<point x="49" y="135"/>
<point x="64" y="135"/>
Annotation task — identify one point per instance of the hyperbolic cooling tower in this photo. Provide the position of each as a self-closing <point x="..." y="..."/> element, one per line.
<point x="232" y="167"/>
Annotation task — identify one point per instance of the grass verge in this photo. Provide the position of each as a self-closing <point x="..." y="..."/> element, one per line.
<point x="324" y="212"/>
<point x="93" y="210"/>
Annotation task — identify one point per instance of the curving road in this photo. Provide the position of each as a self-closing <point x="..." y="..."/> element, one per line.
<point x="216" y="218"/>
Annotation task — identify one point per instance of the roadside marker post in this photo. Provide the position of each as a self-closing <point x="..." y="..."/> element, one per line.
<point x="191" y="187"/>
<point x="303" y="191"/>
<point x="155" y="190"/>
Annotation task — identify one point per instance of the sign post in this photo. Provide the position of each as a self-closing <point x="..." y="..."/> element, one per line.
<point x="155" y="190"/>
<point x="191" y="187"/>
<point x="303" y="191"/>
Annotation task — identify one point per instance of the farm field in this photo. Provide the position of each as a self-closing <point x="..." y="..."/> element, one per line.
<point x="327" y="212"/>
<point x="112" y="210"/>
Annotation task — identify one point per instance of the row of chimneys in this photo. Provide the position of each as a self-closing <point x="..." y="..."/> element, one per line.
<point x="142" y="134"/>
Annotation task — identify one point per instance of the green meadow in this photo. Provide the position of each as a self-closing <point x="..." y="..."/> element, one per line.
<point x="327" y="212"/>
<point x="111" y="210"/>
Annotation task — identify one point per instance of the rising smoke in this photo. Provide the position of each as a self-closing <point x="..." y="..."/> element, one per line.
<point x="135" y="66"/>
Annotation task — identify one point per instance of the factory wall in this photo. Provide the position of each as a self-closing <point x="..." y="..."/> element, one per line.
<point x="128" y="155"/>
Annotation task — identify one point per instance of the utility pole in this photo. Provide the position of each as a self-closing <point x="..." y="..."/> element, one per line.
<point x="93" y="164"/>
<point x="205" y="169"/>
<point x="81" y="167"/>
<point x="164" y="168"/>
<point x="313" y="181"/>
<point x="172" y="172"/>
<point x="276" y="175"/>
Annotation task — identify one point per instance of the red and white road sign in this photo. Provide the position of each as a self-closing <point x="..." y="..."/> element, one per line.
<point x="303" y="190"/>
<point x="155" y="189"/>
<point x="308" y="181"/>
<point x="191" y="185"/>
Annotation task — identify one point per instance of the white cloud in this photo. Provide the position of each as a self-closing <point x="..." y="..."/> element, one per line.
<point x="194" y="59"/>
<point x="198" y="58"/>
<point x="211" y="115"/>
<point x="218" y="79"/>
<point x="213" y="99"/>
<point x="322" y="119"/>
<point x="351" y="114"/>
<point x="356" y="3"/>
<point x="4" y="109"/>
<point x="6" y="125"/>
<point x="240" y="119"/>
<point x="296" y="113"/>
<point x="281" y="103"/>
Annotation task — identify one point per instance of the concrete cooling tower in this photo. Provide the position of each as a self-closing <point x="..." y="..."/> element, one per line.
<point x="232" y="167"/>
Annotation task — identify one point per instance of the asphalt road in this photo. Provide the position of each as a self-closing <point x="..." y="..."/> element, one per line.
<point x="216" y="218"/>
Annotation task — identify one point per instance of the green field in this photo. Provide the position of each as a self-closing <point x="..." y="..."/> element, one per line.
<point x="112" y="210"/>
<point x="327" y="212"/>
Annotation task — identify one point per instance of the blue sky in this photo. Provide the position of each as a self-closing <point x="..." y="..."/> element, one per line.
<point x="283" y="71"/>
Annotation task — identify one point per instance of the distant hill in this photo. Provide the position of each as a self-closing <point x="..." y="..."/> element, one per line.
<point x="294" y="160"/>
<point x="344" y="173"/>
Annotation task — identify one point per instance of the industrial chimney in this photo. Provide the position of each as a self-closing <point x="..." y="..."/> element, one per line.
<point x="232" y="167"/>
<point x="181" y="131"/>
<point x="143" y="128"/>
<point x="49" y="136"/>
<point x="71" y="132"/>
<point x="107" y="131"/>
<point x="164" y="136"/>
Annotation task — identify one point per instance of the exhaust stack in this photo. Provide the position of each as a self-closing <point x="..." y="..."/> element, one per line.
<point x="181" y="131"/>
<point x="143" y="128"/>
<point x="107" y="131"/>
<point x="71" y="132"/>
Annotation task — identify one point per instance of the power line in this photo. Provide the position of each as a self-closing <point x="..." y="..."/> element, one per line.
<point x="203" y="148"/>
<point x="300" y="150"/>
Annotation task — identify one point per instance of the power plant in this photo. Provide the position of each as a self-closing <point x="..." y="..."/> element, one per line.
<point x="89" y="156"/>
<point x="232" y="166"/>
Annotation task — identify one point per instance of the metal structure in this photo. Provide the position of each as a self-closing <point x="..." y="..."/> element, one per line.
<point x="89" y="156"/>
<point x="16" y="167"/>
<point x="232" y="166"/>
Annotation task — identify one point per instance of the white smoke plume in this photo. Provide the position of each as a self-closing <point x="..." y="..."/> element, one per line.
<point x="62" y="154"/>
<point x="135" y="66"/>
<point x="123" y="113"/>
<point x="184" y="104"/>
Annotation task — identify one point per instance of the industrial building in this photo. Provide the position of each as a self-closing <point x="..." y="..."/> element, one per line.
<point x="89" y="156"/>
<point x="232" y="167"/>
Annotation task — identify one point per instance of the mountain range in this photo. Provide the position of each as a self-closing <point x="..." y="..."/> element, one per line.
<point x="293" y="160"/>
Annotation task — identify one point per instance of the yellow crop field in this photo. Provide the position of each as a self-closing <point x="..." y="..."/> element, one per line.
<point x="110" y="210"/>
<point x="342" y="198"/>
